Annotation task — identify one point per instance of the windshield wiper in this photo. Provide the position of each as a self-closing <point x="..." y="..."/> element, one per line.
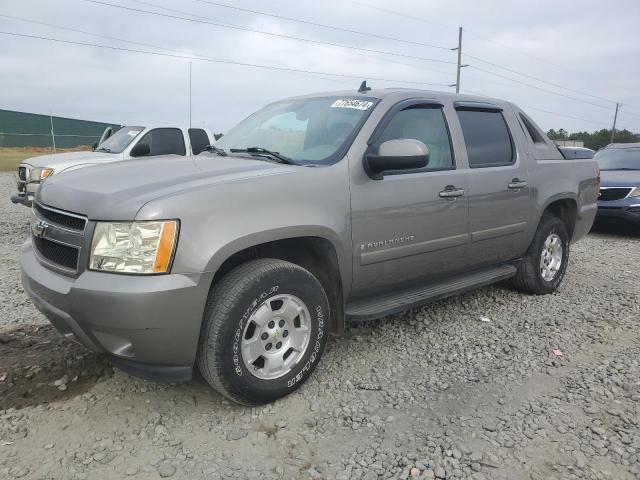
<point x="263" y="151"/>
<point x="103" y="149"/>
<point x="618" y="169"/>
<point x="214" y="149"/>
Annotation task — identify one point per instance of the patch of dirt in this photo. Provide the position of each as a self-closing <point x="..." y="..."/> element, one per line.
<point x="38" y="365"/>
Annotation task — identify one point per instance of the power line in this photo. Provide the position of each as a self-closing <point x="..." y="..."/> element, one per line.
<point x="488" y="40"/>
<point x="149" y="45"/>
<point x="515" y="80"/>
<point x="538" y="79"/>
<point x="400" y="14"/>
<point x="540" y="109"/>
<point x="203" y="20"/>
<point x="444" y="25"/>
<point x="219" y="60"/>
<point x="322" y="25"/>
<point x="388" y="60"/>
<point x="84" y="32"/>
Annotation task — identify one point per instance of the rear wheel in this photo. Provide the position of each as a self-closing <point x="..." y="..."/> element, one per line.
<point x="545" y="263"/>
<point x="264" y="330"/>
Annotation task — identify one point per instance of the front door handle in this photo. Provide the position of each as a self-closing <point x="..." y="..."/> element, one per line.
<point x="517" y="184"/>
<point x="451" y="192"/>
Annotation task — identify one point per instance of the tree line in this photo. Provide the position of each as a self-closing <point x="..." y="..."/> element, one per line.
<point x="595" y="140"/>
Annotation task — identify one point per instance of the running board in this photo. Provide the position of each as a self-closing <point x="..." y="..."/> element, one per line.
<point x="383" y="305"/>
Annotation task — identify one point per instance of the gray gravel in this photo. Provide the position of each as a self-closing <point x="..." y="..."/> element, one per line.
<point x="434" y="392"/>
<point x="15" y="308"/>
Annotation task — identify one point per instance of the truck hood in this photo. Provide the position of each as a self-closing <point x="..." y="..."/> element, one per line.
<point x="117" y="191"/>
<point x="620" y="178"/>
<point x="62" y="161"/>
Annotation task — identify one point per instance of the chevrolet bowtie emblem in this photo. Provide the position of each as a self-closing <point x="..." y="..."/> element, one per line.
<point x="39" y="228"/>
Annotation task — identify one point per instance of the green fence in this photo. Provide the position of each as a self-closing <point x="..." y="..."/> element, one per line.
<point x="19" y="129"/>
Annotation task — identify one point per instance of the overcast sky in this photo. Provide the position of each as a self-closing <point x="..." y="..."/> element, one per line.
<point x="591" y="47"/>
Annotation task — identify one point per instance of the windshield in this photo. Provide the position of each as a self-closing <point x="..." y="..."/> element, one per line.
<point x="619" y="159"/>
<point x="308" y="130"/>
<point x="117" y="142"/>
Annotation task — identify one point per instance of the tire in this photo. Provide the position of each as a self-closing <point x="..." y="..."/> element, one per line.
<point x="531" y="276"/>
<point x="258" y="298"/>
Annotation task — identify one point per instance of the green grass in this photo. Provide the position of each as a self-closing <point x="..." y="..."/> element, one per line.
<point x="10" y="157"/>
<point x="9" y="160"/>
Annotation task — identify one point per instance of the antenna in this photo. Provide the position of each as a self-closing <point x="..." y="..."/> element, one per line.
<point x="363" y="87"/>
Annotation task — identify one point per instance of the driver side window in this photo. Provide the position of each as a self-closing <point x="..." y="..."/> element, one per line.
<point x="164" y="141"/>
<point x="426" y="124"/>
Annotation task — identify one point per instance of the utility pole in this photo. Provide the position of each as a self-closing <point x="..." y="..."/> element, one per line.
<point x="615" y="118"/>
<point x="460" y="66"/>
<point x="189" y="93"/>
<point x="53" y="135"/>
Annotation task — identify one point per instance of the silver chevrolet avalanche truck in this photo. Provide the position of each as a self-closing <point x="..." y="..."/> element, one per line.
<point x="313" y="212"/>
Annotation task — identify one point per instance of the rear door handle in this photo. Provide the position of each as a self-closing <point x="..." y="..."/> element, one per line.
<point x="451" y="192"/>
<point x="517" y="184"/>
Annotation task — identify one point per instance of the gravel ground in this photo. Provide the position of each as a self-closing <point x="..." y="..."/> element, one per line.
<point x="469" y="387"/>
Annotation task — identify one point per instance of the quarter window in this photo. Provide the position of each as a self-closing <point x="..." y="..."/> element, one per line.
<point x="487" y="138"/>
<point x="165" y="141"/>
<point x="425" y="123"/>
<point x="534" y="133"/>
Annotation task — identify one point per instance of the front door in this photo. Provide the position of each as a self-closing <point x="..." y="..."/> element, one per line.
<point x="411" y="224"/>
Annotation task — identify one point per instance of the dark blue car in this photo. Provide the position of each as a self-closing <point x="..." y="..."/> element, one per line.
<point x="620" y="182"/>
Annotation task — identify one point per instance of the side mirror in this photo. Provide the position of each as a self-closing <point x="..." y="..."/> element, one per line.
<point x="400" y="154"/>
<point x="94" y="146"/>
<point x="140" y="150"/>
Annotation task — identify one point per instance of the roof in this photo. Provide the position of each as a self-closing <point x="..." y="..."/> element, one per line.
<point x="402" y="93"/>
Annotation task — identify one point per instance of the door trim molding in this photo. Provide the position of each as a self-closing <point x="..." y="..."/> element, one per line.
<point x="489" y="233"/>
<point x="392" y="253"/>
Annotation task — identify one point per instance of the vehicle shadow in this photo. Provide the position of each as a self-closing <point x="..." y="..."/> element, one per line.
<point x="616" y="228"/>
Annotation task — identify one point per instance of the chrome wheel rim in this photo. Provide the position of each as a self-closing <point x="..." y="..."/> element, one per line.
<point x="276" y="337"/>
<point x="551" y="257"/>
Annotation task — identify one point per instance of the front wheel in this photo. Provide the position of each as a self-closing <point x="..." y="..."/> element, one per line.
<point x="545" y="263"/>
<point x="264" y="330"/>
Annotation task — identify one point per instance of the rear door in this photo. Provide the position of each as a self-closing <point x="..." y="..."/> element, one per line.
<point x="404" y="227"/>
<point x="499" y="204"/>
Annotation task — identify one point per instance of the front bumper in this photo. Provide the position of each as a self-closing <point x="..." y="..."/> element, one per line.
<point x="26" y="192"/>
<point x="627" y="209"/>
<point x="22" y="199"/>
<point x="148" y="325"/>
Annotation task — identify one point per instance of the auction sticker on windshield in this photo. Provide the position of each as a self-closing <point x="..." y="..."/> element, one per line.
<point x="349" y="103"/>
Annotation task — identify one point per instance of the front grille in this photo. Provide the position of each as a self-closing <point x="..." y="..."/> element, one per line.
<point x="60" y="218"/>
<point x="57" y="253"/>
<point x="613" y="193"/>
<point x="22" y="173"/>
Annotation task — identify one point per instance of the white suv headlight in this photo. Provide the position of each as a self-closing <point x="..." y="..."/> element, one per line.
<point x="134" y="247"/>
<point x="635" y="192"/>
<point x="39" y="174"/>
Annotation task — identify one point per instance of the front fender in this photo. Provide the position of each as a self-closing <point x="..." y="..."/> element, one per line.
<point x="291" y="232"/>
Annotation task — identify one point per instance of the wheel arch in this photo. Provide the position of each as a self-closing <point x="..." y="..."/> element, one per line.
<point x="316" y="252"/>
<point x="565" y="208"/>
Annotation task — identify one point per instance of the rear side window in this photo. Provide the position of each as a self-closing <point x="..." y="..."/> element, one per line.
<point x="487" y="138"/>
<point x="165" y="141"/>
<point x="425" y="123"/>
<point x="199" y="140"/>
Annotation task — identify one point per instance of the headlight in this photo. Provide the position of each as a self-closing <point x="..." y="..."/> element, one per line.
<point x="134" y="247"/>
<point x="39" y="174"/>
<point x="635" y="192"/>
